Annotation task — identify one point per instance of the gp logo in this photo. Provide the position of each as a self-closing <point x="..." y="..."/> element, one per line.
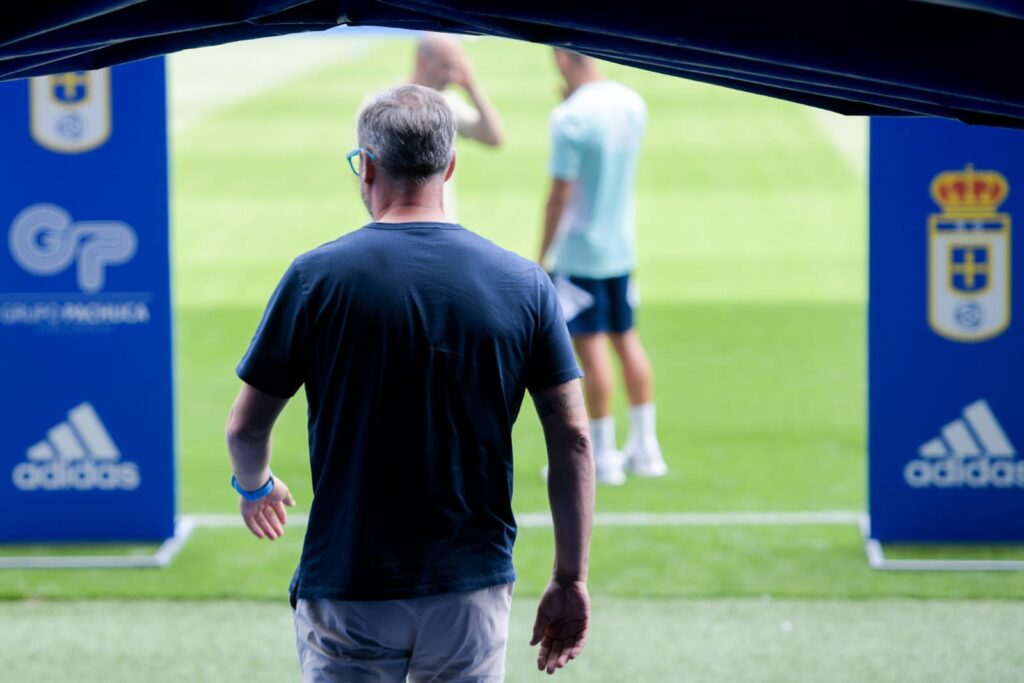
<point x="45" y="241"/>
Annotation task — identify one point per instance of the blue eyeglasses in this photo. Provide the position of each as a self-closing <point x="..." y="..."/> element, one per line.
<point x="357" y="166"/>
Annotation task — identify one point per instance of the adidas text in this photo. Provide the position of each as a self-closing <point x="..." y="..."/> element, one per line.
<point x="80" y="476"/>
<point x="976" y="473"/>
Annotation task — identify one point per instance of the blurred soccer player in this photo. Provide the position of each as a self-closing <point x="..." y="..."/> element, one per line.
<point x="589" y="237"/>
<point x="416" y="340"/>
<point x="440" y="63"/>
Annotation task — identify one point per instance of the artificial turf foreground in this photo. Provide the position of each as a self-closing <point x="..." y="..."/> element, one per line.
<point x="752" y="269"/>
<point x="697" y="641"/>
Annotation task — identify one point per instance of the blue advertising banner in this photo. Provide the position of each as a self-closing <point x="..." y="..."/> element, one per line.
<point x="946" y="332"/>
<point x="87" y="452"/>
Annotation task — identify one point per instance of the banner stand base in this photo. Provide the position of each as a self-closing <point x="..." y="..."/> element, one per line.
<point x="183" y="528"/>
<point x="876" y="559"/>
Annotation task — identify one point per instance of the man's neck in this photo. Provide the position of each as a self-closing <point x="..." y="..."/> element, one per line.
<point x="410" y="205"/>
<point x="583" y="78"/>
<point x="411" y="214"/>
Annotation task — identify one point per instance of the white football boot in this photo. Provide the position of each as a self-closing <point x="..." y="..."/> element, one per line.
<point x="608" y="467"/>
<point x="644" y="459"/>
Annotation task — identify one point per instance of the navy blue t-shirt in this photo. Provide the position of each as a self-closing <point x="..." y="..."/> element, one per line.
<point x="415" y="342"/>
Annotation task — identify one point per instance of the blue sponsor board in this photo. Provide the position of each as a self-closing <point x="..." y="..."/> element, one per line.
<point x="946" y="332"/>
<point x="87" y="452"/>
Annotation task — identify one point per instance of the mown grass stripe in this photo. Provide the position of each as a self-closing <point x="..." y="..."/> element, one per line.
<point x="602" y="519"/>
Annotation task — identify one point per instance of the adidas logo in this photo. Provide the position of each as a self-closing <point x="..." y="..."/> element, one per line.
<point x="76" y="455"/>
<point x="971" y="451"/>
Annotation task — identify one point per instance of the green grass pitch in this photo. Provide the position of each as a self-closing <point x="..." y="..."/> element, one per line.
<point x="752" y="247"/>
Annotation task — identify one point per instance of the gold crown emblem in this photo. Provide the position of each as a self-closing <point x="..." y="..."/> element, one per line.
<point x="969" y="190"/>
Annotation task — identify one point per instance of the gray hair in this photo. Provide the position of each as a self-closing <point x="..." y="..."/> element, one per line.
<point x="410" y="130"/>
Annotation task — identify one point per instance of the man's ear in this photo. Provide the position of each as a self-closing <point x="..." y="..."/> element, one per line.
<point x="369" y="168"/>
<point x="451" y="168"/>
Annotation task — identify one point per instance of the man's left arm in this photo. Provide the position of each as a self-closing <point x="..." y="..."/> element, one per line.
<point x="248" y="430"/>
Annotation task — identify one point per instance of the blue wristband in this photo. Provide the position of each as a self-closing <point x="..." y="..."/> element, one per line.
<point x="261" y="492"/>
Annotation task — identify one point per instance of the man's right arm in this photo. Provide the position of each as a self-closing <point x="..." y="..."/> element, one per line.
<point x="558" y="199"/>
<point x="564" y="167"/>
<point x="486" y="124"/>
<point x="563" y="617"/>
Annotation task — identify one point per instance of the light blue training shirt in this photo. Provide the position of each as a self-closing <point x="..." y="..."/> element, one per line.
<point x="596" y="135"/>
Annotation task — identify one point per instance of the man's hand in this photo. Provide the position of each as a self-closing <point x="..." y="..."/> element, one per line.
<point x="563" y="619"/>
<point x="266" y="517"/>
<point x="462" y="73"/>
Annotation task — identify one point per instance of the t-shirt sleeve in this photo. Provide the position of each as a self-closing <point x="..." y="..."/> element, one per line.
<point x="552" y="361"/>
<point x="275" y="361"/>
<point x="566" y="139"/>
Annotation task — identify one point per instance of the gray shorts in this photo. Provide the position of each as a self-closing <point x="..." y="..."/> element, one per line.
<point x="455" y="637"/>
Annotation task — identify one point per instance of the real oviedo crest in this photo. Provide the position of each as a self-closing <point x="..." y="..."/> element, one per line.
<point x="70" y="112"/>
<point x="969" y="256"/>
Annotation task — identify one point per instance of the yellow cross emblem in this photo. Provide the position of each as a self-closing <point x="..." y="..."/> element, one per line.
<point x="71" y="86"/>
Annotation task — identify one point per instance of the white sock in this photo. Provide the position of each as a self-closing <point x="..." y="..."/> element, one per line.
<point x="642" y="426"/>
<point x="602" y="434"/>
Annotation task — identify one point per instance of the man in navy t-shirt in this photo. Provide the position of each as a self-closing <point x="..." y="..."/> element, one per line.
<point x="416" y="340"/>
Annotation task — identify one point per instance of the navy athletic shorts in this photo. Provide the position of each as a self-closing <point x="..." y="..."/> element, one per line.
<point x="596" y="305"/>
